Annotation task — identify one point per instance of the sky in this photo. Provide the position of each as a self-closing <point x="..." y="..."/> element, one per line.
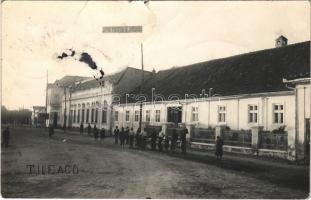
<point x="175" y="33"/>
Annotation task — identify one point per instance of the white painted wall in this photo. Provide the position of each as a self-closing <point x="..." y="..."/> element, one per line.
<point x="236" y="114"/>
<point x="303" y="113"/>
<point x="88" y="97"/>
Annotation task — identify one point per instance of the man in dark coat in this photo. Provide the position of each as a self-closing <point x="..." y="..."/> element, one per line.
<point x="122" y="137"/>
<point x="174" y="140"/>
<point x="116" y="135"/>
<point x="218" y="149"/>
<point x="143" y="139"/>
<point x="81" y="128"/>
<point x="51" y="130"/>
<point x="137" y="137"/>
<point x="131" y="135"/>
<point x="6" y="137"/>
<point x="153" y="140"/>
<point x="166" y="142"/>
<point x="95" y="132"/>
<point x="126" y="135"/>
<point x="102" y="134"/>
<point x="161" y="135"/>
<point x="183" y="140"/>
<point x="89" y="129"/>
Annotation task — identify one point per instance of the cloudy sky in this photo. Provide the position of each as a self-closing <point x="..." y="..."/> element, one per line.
<point x="175" y="33"/>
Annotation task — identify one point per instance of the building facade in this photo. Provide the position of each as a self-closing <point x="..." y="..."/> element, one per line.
<point x="258" y="102"/>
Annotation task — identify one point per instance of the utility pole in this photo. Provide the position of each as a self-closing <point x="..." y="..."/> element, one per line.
<point x="46" y="97"/>
<point x="46" y="90"/>
<point x="65" y="111"/>
<point x="141" y="86"/>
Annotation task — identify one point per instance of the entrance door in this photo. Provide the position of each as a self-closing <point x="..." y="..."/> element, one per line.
<point x="307" y="141"/>
<point x="174" y="114"/>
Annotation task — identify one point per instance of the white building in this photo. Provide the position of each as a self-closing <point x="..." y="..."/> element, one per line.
<point x="90" y="101"/>
<point x="258" y="102"/>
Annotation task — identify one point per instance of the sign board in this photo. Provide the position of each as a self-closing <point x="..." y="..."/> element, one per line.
<point x="122" y="29"/>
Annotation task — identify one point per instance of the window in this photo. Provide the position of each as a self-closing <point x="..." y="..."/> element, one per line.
<point x="104" y="116"/>
<point x="222" y="114"/>
<point x="116" y="116"/>
<point x="252" y="113"/>
<point x="157" y="116"/>
<point x="96" y="115"/>
<point x="195" y="114"/>
<point x="82" y="116"/>
<point x="278" y="113"/>
<point x="78" y="117"/>
<point x="92" y="115"/>
<point x="127" y="115"/>
<point x="136" y="115"/>
<point x="87" y="115"/>
<point x="147" y="115"/>
<point x="74" y="116"/>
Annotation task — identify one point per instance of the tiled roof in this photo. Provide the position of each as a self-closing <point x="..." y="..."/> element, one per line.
<point x="255" y="72"/>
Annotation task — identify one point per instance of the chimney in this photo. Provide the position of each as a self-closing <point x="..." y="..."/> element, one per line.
<point x="281" y="41"/>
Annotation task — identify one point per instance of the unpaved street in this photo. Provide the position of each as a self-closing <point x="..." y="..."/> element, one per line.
<point x="107" y="171"/>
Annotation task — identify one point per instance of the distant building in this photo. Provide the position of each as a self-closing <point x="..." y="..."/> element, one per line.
<point x="55" y="93"/>
<point x="90" y="101"/>
<point x="38" y="116"/>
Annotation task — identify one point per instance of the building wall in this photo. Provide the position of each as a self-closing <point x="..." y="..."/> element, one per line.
<point x="99" y="98"/>
<point x="303" y="113"/>
<point x="236" y="111"/>
<point x="54" y="101"/>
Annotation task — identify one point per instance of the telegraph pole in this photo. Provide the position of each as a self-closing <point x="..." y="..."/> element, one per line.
<point x="65" y="111"/>
<point x="141" y="85"/>
<point x="46" y="90"/>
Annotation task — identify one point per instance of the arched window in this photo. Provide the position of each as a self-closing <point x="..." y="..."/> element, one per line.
<point x="104" y="112"/>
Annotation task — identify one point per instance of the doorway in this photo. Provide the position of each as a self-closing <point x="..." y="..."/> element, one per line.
<point x="174" y="115"/>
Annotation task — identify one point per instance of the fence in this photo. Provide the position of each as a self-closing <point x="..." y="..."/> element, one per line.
<point x="242" y="138"/>
<point x="204" y="135"/>
<point x="170" y="131"/>
<point x="149" y="129"/>
<point x="270" y="140"/>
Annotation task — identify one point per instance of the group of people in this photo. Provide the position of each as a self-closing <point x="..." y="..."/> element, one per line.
<point x="158" y="140"/>
<point x="97" y="134"/>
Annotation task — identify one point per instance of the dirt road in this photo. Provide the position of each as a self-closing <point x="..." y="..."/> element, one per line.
<point x="104" y="170"/>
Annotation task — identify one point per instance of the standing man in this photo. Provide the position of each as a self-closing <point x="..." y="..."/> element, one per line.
<point x="131" y="135"/>
<point x="219" y="151"/>
<point x="143" y="139"/>
<point x="81" y="129"/>
<point x="89" y="129"/>
<point x="116" y="135"/>
<point x="174" y="140"/>
<point x="161" y="135"/>
<point x="122" y="137"/>
<point x="153" y="140"/>
<point x="95" y="132"/>
<point x="102" y="134"/>
<point x="166" y="142"/>
<point x="183" y="140"/>
<point x="127" y="137"/>
<point x="6" y="137"/>
<point x="51" y="130"/>
<point x="138" y="143"/>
